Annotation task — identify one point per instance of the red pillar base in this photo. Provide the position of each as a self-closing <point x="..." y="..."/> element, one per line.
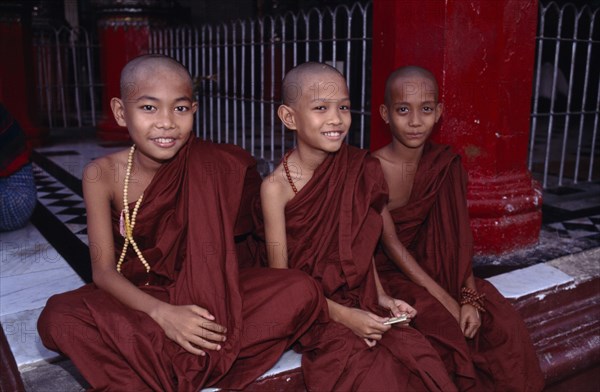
<point x="505" y="212"/>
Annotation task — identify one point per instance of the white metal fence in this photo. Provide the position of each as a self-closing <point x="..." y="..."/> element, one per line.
<point x="67" y="84"/>
<point x="239" y="66"/>
<point x="566" y="100"/>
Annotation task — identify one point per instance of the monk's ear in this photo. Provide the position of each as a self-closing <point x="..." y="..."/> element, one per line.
<point x="194" y="107"/>
<point x="118" y="109"/>
<point x="439" y="109"/>
<point x="383" y="112"/>
<point x="286" y="115"/>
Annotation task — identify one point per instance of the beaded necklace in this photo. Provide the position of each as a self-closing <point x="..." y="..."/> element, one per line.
<point x="287" y="172"/>
<point x="130" y="221"/>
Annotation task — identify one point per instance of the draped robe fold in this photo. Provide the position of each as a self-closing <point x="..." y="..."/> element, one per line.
<point x="333" y="225"/>
<point x="434" y="227"/>
<point x="191" y="212"/>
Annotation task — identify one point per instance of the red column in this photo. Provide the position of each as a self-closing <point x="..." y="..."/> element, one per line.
<point x="121" y="37"/>
<point x="482" y="53"/>
<point x="124" y="31"/>
<point x="17" y="90"/>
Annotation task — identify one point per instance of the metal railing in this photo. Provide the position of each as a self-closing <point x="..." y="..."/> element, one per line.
<point x="566" y="99"/>
<point x="238" y="67"/>
<point x="68" y="89"/>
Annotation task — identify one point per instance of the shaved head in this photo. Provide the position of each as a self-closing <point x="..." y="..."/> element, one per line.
<point x="147" y="65"/>
<point x="295" y="79"/>
<point x="406" y="72"/>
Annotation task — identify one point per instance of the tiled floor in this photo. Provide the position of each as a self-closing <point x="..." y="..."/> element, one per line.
<point x="30" y="271"/>
<point x="50" y="255"/>
<point x="62" y="202"/>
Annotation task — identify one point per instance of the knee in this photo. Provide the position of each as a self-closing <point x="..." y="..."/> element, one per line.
<point x="305" y="287"/>
<point x="55" y="321"/>
<point x="48" y="322"/>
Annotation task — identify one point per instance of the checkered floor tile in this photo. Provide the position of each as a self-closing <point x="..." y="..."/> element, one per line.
<point x="578" y="228"/>
<point x="65" y="204"/>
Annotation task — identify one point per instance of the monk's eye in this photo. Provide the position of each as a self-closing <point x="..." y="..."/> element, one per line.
<point x="402" y="109"/>
<point x="345" y="107"/>
<point x="182" y="108"/>
<point x="320" y="108"/>
<point x="148" y="108"/>
<point x="427" y="109"/>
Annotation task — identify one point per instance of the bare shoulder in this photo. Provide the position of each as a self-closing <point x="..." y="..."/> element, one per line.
<point x="105" y="174"/>
<point x="275" y="188"/>
<point x="383" y="155"/>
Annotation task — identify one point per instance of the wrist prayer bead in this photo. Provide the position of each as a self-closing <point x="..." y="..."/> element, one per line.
<point x="471" y="297"/>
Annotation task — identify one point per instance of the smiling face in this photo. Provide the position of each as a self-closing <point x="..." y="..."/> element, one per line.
<point x="319" y="112"/>
<point x="157" y="108"/>
<point x="412" y="109"/>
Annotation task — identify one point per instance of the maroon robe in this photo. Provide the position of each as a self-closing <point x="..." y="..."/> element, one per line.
<point x="333" y="226"/>
<point x="434" y="227"/>
<point x="185" y="227"/>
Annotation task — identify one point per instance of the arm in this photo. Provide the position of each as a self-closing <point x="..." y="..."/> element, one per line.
<point x="457" y="195"/>
<point x="407" y="264"/>
<point x="469" y="315"/>
<point x="396" y="306"/>
<point x="187" y="325"/>
<point x="273" y="200"/>
<point x="380" y="290"/>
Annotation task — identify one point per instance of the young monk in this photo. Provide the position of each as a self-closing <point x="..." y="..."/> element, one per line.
<point x="168" y="309"/>
<point x="428" y="243"/>
<point x="321" y="209"/>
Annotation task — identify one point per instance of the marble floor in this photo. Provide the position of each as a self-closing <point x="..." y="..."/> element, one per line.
<point x="50" y="254"/>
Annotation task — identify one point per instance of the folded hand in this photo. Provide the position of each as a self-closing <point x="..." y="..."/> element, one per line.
<point x="193" y="327"/>
<point x="469" y="320"/>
